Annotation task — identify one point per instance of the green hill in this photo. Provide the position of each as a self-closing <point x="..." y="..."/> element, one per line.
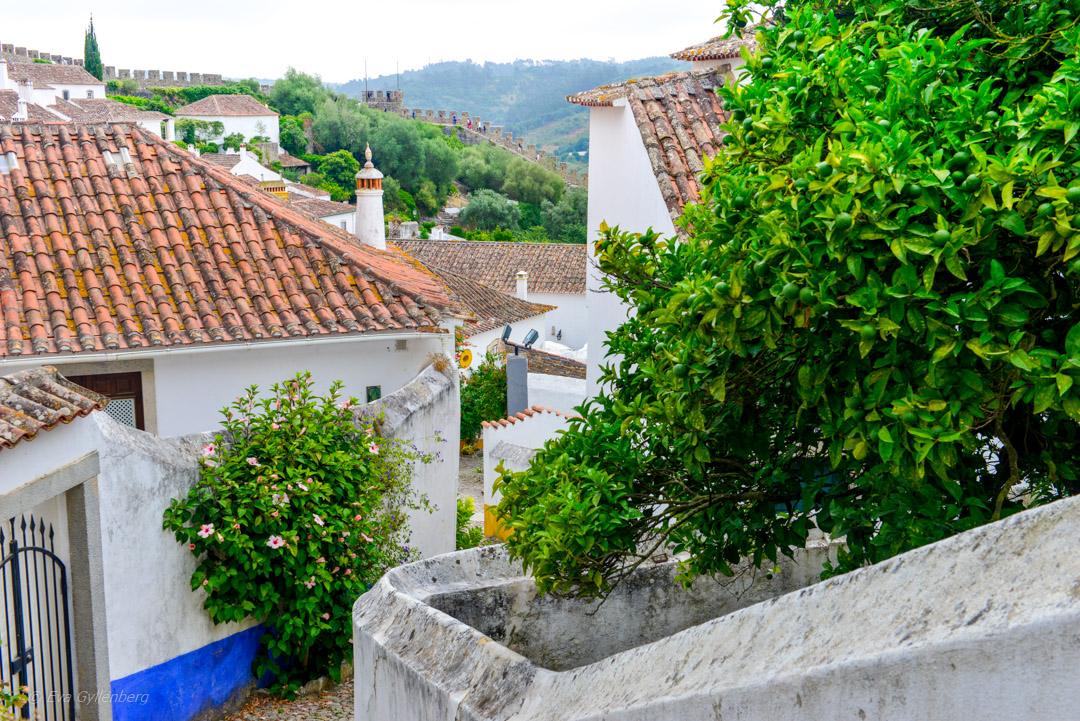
<point x="527" y="97"/>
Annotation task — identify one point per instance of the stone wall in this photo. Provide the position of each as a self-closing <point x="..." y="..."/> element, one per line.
<point x="19" y="54"/>
<point x="472" y="129"/>
<point x="980" y="627"/>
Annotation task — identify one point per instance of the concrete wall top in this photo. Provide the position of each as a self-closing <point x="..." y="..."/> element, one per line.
<point x="981" y="627"/>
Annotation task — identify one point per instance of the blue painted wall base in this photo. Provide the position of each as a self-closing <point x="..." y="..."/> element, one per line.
<point x="190" y="685"/>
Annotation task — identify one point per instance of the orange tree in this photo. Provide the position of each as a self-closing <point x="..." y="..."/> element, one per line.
<point x="870" y="324"/>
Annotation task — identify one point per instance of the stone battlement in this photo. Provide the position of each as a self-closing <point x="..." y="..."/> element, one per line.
<point x="14" y="54"/>
<point x="162" y="79"/>
<point x="473" y="129"/>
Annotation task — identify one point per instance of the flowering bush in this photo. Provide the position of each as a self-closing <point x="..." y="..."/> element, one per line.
<point x="294" y="519"/>
<point x="483" y="397"/>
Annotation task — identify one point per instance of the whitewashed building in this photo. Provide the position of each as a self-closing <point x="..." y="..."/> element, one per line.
<point x="237" y="113"/>
<point x="173" y="292"/>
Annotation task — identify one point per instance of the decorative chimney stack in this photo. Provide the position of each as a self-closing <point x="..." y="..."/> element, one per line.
<point x="20" y="116"/>
<point x="25" y="89"/>
<point x="370" y="223"/>
<point x="522" y="285"/>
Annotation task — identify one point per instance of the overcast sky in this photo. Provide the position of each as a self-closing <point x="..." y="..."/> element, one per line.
<point x="334" y="38"/>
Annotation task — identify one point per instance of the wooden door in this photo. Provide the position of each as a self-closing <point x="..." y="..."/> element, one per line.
<point x="125" y="395"/>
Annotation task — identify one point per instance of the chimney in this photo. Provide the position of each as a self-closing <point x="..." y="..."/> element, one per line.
<point x="26" y="90"/>
<point x="522" y="285"/>
<point x="370" y="222"/>
<point x="242" y="151"/>
<point x="3" y="74"/>
<point x="20" y="115"/>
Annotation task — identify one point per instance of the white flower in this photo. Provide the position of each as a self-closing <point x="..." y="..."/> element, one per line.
<point x="275" y="542"/>
<point x="373" y="448"/>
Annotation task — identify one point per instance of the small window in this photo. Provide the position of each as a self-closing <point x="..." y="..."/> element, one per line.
<point x="344" y="225"/>
<point x="89" y="93"/>
<point x="67" y="95"/>
<point x="125" y="395"/>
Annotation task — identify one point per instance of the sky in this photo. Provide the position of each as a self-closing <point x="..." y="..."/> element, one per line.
<point x="333" y="39"/>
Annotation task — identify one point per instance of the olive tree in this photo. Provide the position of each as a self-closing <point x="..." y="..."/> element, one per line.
<point x="870" y="324"/>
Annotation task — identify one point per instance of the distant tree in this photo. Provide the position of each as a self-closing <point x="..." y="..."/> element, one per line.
<point x="291" y="134"/>
<point x="483" y="166"/>
<point x="91" y="54"/>
<point x="297" y="93"/>
<point x="340" y="167"/>
<point x="339" y="126"/>
<point x="233" y="141"/>
<point x="488" y="210"/>
<point x="427" y="198"/>
<point x="194" y="131"/>
<point x="440" y="165"/>
<point x="531" y="183"/>
<point x="399" y="151"/>
<point x="567" y="219"/>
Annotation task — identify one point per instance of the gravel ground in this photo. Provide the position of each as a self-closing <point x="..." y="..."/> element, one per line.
<point x="333" y="705"/>
<point x="471" y="484"/>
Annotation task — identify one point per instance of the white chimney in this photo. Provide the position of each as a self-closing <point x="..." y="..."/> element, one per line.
<point x="20" y="115"/>
<point x="370" y="222"/>
<point x="3" y="75"/>
<point x="242" y="151"/>
<point x="522" y="285"/>
<point x="26" y="90"/>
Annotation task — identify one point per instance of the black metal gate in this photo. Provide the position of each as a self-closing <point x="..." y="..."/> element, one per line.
<point x="35" y="637"/>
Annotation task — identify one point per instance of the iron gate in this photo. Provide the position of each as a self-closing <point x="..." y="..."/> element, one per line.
<point x="35" y="638"/>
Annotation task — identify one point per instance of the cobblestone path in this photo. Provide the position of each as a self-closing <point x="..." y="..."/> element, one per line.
<point x="333" y="705"/>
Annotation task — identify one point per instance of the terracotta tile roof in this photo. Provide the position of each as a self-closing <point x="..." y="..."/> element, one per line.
<point x="46" y="74"/>
<point x="223" y="160"/>
<point x="38" y="400"/>
<point x="486" y="308"/>
<point x="299" y="190"/>
<point x="226" y="106"/>
<point x="552" y="267"/>
<point x="679" y="117"/>
<point x="291" y="161"/>
<point x="112" y="238"/>
<point x="320" y="207"/>
<point x="719" y="48"/>
<point x="548" y="363"/>
<point x="9" y="105"/>
<point x="523" y="416"/>
<point x="95" y="110"/>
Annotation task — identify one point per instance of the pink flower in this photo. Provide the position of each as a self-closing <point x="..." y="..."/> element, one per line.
<point x="209" y="463"/>
<point x="302" y="486"/>
<point x="208" y="450"/>
<point x="345" y="534"/>
<point x="236" y="525"/>
<point x="275" y="426"/>
<point x="366" y="537"/>
<point x="276" y="542"/>
<point x="274" y="514"/>
<point x="191" y="546"/>
<point x="326" y="616"/>
<point x="296" y="397"/>
<point x="346" y="405"/>
<point x="205" y="582"/>
<point x="318" y="520"/>
<point x="206" y="531"/>
<point x="310" y="583"/>
<point x="348" y="571"/>
<point x="221" y="538"/>
<point x="359" y="518"/>
<point x="336" y="569"/>
<point x="321" y="560"/>
<point x="373" y="448"/>
<point x="253" y="461"/>
<point x="368" y="432"/>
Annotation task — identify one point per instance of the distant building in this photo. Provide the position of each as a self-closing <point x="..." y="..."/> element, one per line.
<point x="242" y="162"/>
<point x="49" y="81"/>
<point x="339" y="215"/>
<point x="555" y="276"/>
<point x="647" y="139"/>
<point x="237" y="113"/>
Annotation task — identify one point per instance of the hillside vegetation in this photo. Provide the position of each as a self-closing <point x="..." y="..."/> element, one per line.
<point x="527" y="97"/>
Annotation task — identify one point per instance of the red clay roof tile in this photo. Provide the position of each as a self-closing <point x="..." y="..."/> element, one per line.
<point x="111" y="238"/>
<point x="38" y="400"/>
<point x="227" y="106"/>
<point x="552" y="267"/>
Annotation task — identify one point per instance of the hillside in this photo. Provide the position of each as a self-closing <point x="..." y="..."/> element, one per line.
<point x="527" y="97"/>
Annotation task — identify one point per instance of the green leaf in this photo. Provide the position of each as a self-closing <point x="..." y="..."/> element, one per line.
<point x="1013" y="222"/>
<point x="1064" y="383"/>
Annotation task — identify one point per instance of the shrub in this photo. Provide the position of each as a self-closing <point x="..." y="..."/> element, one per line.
<point x="468" y="536"/>
<point x="293" y="519"/>
<point x="871" y="323"/>
<point x="483" y="397"/>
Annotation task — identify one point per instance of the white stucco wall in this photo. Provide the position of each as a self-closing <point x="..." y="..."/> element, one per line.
<point x="530" y="433"/>
<point x="247" y="125"/>
<point x="190" y="386"/>
<point x="622" y="192"/>
<point x="249" y="165"/>
<point x="345" y="221"/>
<point x="76" y="91"/>
<point x="571" y="316"/>
<point x="478" y="343"/>
<point x="151" y="613"/>
<point x="556" y="392"/>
